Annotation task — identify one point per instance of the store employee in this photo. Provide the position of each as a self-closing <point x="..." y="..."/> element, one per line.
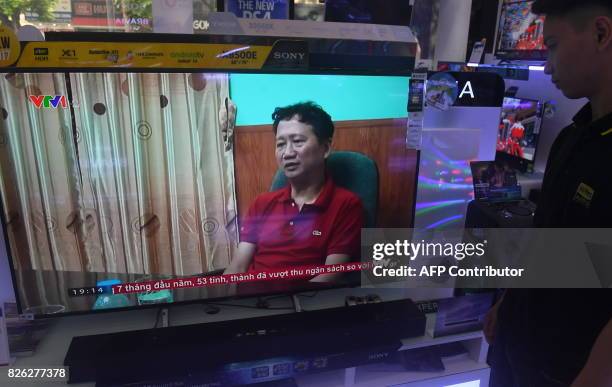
<point x="311" y="221"/>
<point x="562" y="337"/>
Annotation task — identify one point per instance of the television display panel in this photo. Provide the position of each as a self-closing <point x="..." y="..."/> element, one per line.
<point x="394" y="12"/>
<point x="494" y="181"/>
<point x="519" y="128"/>
<point x="521" y="32"/>
<point x="142" y="180"/>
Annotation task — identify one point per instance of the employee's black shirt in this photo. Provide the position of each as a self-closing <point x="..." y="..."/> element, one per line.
<point x="577" y="186"/>
<point x="553" y="330"/>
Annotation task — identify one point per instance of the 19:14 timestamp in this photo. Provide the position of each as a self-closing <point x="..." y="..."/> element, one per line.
<point x="86" y="291"/>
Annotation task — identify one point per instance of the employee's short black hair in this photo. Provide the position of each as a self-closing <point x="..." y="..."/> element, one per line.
<point x="567" y="7"/>
<point x="309" y="113"/>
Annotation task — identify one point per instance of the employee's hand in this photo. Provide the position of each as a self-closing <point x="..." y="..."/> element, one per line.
<point x="490" y="322"/>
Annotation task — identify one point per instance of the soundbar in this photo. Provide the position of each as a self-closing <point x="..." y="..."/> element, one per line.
<point x="219" y="352"/>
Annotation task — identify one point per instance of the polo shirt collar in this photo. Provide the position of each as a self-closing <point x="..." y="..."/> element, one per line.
<point x="323" y="199"/>
<point x="584" y="119"/>
<point x="326" y="194"/>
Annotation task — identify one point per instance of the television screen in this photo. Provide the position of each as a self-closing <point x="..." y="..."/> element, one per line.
<point x="124" y="190"/>
<point x="519" y="128"/>
<point x="521" y="33"/>
<point x="311" y="11"/>
<point x="394" y="12"/>
<point x="494" y="181"/>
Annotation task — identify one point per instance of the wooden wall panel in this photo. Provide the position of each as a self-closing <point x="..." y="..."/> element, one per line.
<point x="254" y="163"/>
<point x="381" y="140"/>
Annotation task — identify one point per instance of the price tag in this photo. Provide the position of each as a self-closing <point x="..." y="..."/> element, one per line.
<point x="416" y="101"/>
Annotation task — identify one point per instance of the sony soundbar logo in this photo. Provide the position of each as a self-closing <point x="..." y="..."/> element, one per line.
<point x="289" y="55"/>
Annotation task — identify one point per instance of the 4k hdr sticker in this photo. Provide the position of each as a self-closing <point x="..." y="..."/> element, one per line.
<point x="9" y="46"/>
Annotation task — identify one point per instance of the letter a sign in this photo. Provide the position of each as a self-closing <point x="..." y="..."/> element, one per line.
<point x="467" y="89"/>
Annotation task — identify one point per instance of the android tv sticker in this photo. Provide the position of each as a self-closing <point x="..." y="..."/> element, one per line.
<point x="442" y="91"/>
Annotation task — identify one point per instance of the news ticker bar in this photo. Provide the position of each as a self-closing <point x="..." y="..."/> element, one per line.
<point x="299" y="272"/>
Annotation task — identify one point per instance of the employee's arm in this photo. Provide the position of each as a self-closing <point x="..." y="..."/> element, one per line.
<point x="242" y="259"/>
<point x="597" y="371"/>
<point x="490" y="321"/>
<point x="332" y="259"/>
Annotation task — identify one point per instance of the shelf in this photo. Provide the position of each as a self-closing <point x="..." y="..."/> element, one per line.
<point x="327" y="379"/>
<point x="370" y="376"/>
<point x="465" y="366"/>
<point x="428" y="339"/>
<point x="378" y="375"/>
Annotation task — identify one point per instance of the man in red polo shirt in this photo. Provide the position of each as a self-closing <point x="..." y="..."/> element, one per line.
<point x="311" y="221"/>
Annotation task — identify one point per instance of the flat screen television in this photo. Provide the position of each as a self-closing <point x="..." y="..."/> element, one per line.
<point x="394" y="12"/>
<point x="520" y="32"/>
<point x="110" y="179"/>
<point x="519" y="132"/>
<point x="494" y="181"/>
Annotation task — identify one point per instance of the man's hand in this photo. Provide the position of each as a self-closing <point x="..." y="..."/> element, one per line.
<point x="490" y="322"/>
<point x="332" y="259"/>
<point x="243" y="258"/>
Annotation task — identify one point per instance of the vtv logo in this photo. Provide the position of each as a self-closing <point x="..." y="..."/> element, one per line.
<point x="49" y="101"/>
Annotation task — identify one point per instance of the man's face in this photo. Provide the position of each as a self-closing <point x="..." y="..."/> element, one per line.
<point x="298" y="151"/>
<point x="572" y="57"/>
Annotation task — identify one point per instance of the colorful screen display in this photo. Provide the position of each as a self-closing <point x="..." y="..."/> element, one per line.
<point x="494" y="181"/>
<point x="521" y="32"/>
<point x="519" y="128"/>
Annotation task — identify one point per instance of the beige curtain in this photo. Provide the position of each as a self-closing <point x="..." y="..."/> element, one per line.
<point x="138" y="180"/>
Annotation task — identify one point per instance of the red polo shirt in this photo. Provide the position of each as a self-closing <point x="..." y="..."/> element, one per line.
<point x="287" y="237"/>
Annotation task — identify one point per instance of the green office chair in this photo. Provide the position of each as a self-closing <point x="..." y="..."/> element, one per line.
<point x="353" y="171"/>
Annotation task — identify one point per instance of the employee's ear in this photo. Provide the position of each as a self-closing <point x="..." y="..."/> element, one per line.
<point x="603" y="29"/>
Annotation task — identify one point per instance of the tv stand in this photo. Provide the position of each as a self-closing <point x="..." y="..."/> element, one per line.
<point x="296" y="303"/>
<point x="495" y="215"/>
<point x="163" y="318"/>
<point x="331" y="338"/>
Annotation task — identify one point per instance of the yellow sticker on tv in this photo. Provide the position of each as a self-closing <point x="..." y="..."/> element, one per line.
<point x="9" y="46"/>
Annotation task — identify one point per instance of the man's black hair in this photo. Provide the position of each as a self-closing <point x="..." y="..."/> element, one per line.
<point x="567" y="7"/>
<point x="309" y="113"/>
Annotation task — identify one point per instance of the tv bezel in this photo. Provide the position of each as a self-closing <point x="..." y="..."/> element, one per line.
<point x="351" y="283"/>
